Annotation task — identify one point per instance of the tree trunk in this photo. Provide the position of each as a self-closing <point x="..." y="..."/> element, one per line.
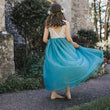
<point x="31" y="46"/>
<point x="100" y="20"/>
<point x="106" y="12"/>
<point x="26" y="44"/>
<point x="108" y="23"/>
<point x="95" y="17"/>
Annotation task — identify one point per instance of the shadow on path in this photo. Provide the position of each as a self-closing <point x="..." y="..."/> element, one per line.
<point x="40" y="99"/>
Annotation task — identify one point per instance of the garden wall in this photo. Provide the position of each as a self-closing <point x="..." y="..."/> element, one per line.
<point x="7" y="65"/>
<point x="2" y="17"/>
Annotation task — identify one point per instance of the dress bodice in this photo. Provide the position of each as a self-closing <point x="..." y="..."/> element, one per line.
<point x="54" y="34"/>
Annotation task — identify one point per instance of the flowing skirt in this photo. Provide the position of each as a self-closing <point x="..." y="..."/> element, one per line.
<point x="64" y="65"/>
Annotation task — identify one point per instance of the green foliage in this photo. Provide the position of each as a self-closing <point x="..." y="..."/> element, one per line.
<point x="106" y="71"/>
<point x="79" y="39"/>
<point x="101" y="72"/>
<point x="15" y="83"/>
<point x="107" y="54"/>
<point x="102" y="103"/>
<point x="2" y="88"/>
<point x="33" y="65"/>
<point x="33" y="83"/>
<point x="19" y="55"/>
<point x="29" y="16"/>
<point x="31" y="76"/>
<point x="90" y="35"/>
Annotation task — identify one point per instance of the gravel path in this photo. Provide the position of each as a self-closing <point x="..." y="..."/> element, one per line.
<point x="40" y="99"/>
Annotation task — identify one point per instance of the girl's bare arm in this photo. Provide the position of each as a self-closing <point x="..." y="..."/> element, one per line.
<point x="45" y="36"/>
<point x="68" y="36"/>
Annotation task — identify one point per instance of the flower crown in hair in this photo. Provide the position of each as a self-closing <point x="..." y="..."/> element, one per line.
<point x="49" y="11"/>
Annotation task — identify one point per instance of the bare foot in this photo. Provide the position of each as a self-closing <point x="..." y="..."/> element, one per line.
<point x="68" y="95"/>
<point x="54" y="96"/>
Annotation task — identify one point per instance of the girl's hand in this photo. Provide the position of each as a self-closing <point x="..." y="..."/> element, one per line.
<point x="76" y="45"/>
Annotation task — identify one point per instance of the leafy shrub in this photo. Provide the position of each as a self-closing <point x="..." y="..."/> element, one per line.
<point x="107" y="54"/>
<point x="29" y="16"/>
<point x="33" y="83"/>
<point x="79" y="39"/>
<point x="19" y="55"/>
<point x="2" y="88"/>
<point x="90" y="35"/>
<point x="101" y="72"/>
<point x="33" y="66"/>
<point x="15" y="83"/>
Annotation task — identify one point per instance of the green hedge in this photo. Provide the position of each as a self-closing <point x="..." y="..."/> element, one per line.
<point x="16" y="83"/>
<point x="33" y="65"/>
<point x="90" y="35"/>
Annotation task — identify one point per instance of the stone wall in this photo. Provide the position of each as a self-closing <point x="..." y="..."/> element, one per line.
<point x="77" y="13"/>
<point x="7" y="65"/>
<point x="2" y="15"/>
<point x="80" y="18"/>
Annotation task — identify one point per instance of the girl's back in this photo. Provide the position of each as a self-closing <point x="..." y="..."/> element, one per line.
<point x="56" y="32"/>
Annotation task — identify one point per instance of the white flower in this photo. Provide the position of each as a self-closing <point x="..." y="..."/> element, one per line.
<point x="49" y="11"/>
<point x="62" y="10"/>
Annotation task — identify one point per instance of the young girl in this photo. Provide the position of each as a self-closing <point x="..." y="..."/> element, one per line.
<point x="66" y="63"/>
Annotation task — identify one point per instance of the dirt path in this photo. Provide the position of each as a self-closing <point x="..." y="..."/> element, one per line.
<point x="40" y="99"/>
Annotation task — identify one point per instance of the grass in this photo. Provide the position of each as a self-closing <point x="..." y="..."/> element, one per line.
<point x="102" y="103"/>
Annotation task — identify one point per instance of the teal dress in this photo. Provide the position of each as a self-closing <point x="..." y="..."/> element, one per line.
<point x="64" y="65"/>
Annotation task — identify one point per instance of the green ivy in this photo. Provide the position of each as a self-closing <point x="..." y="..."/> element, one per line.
<point x="33" y="65"/>
<point x="15" y="83"/>
<point x="33" y="83"/>
<point x="29" y="16"/>
<point x="90" y="35"/>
